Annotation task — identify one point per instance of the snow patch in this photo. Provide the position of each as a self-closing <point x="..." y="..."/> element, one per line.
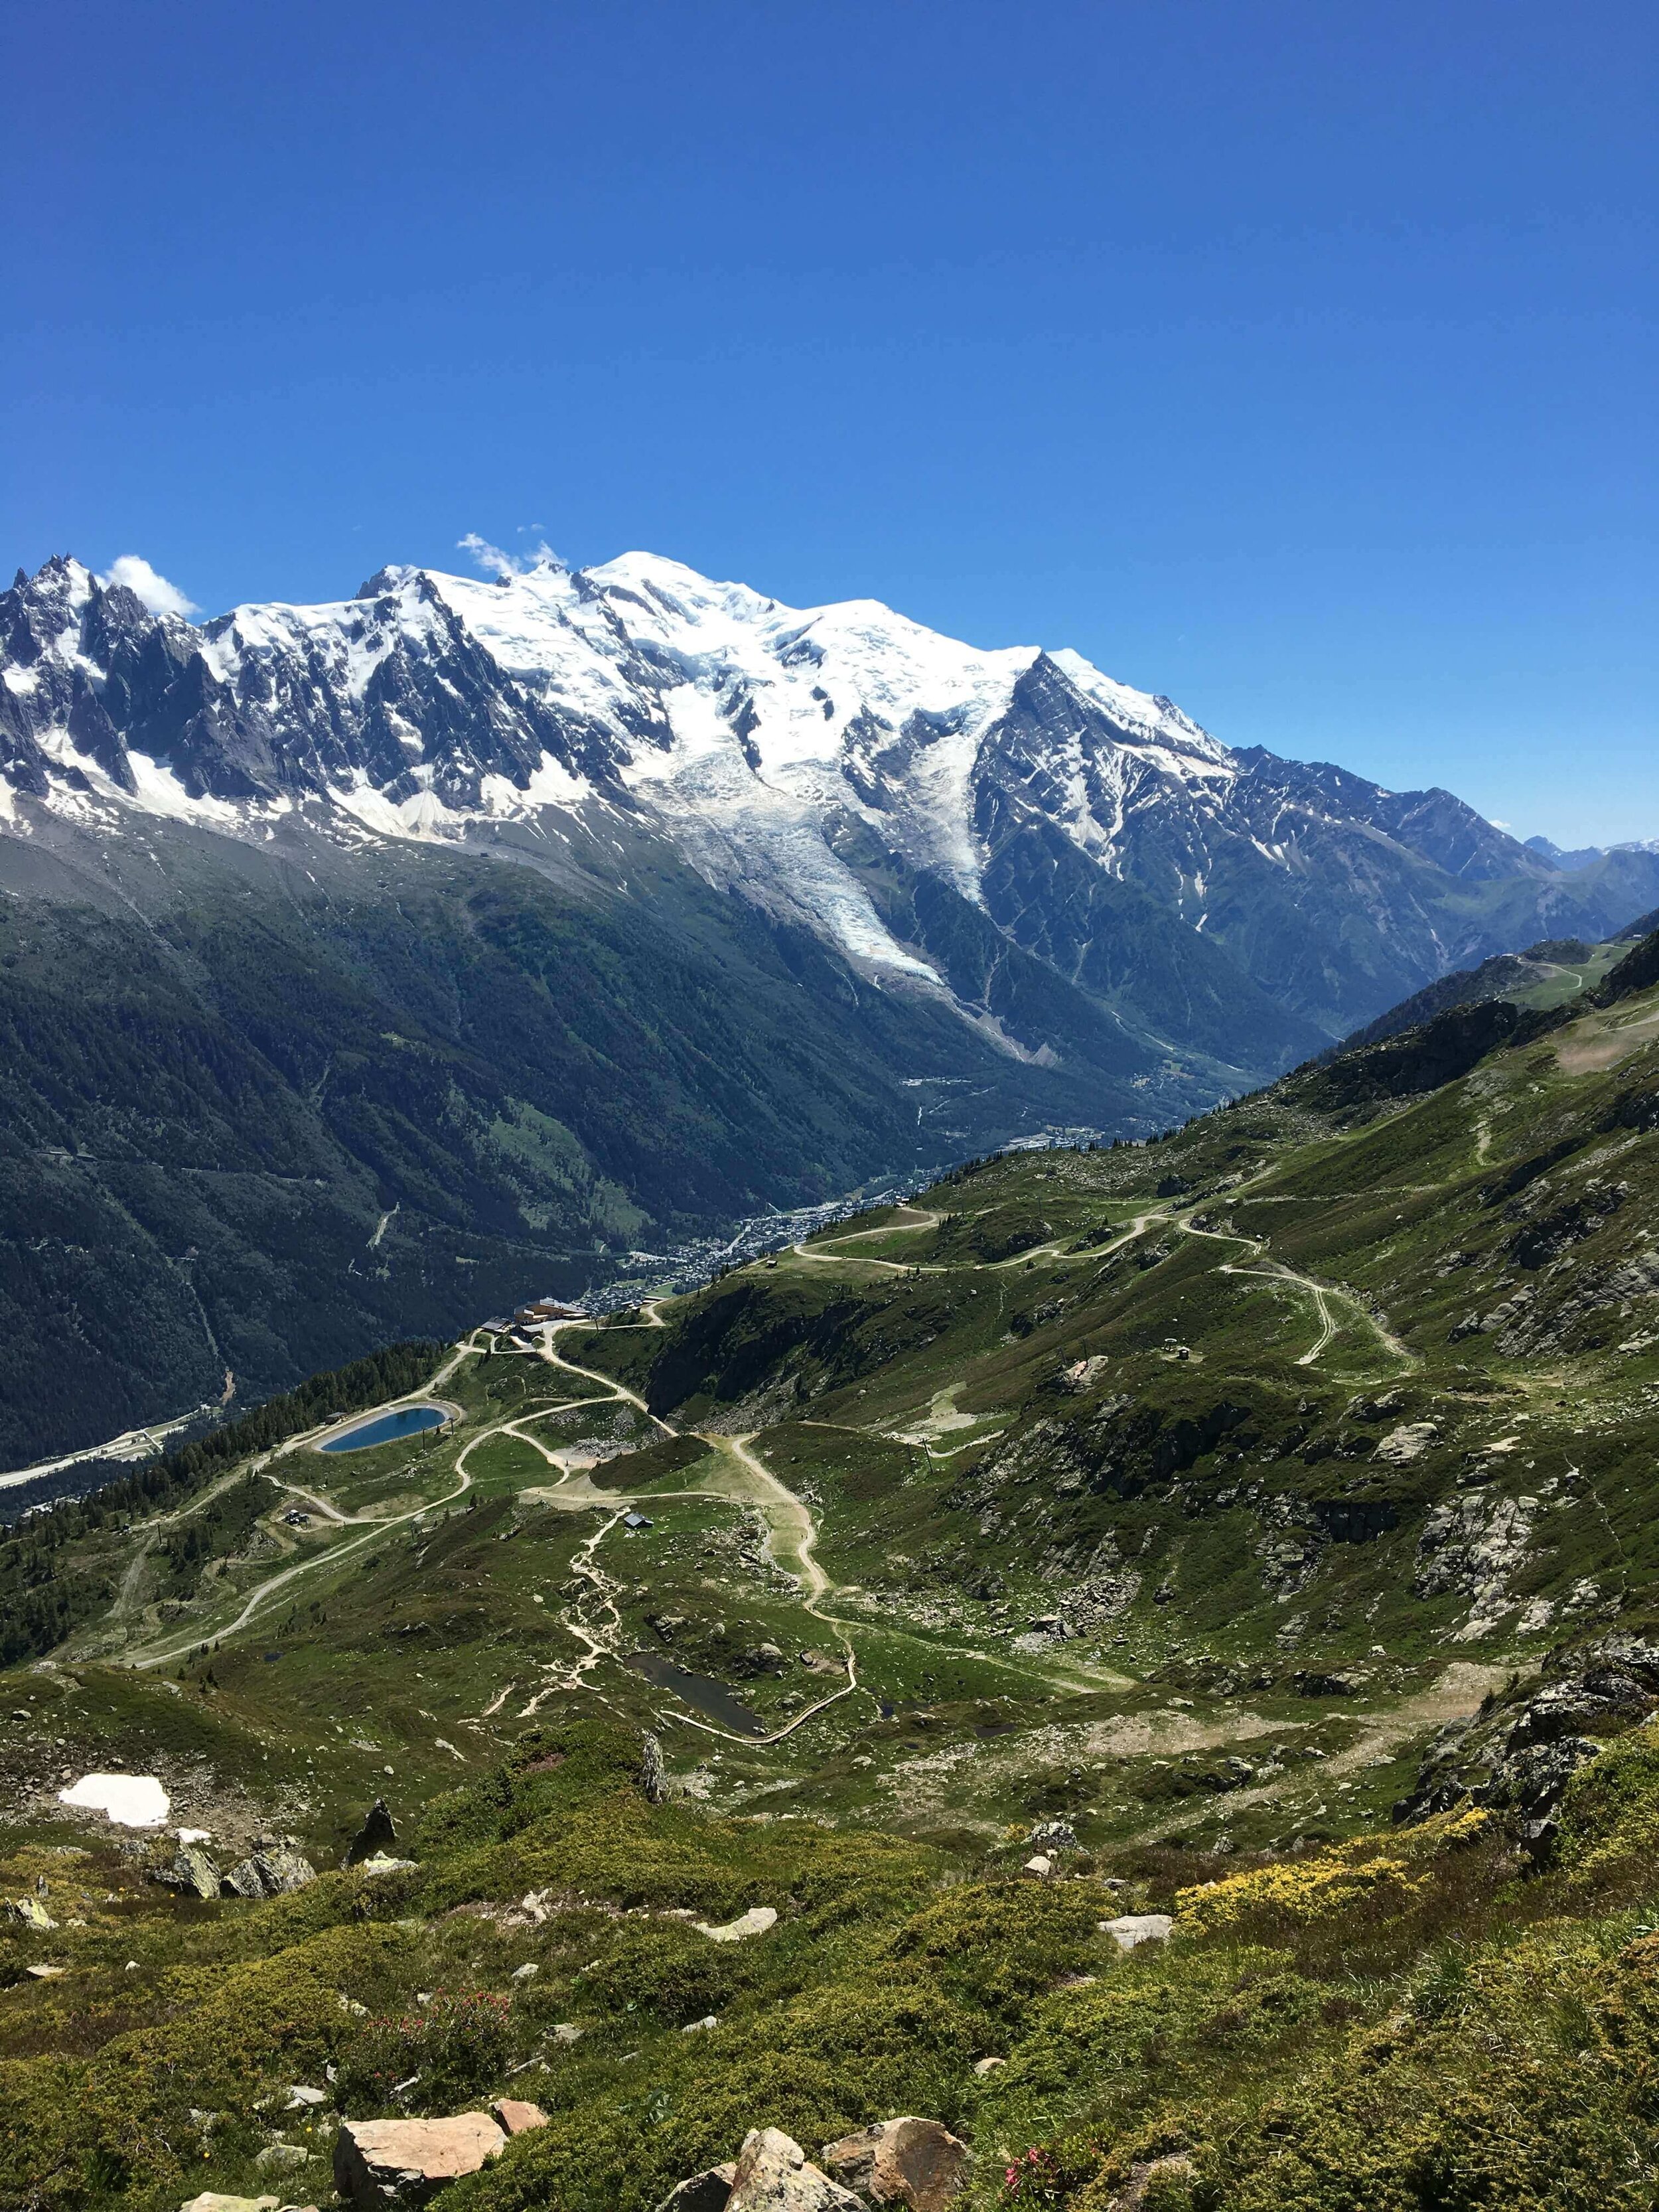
<point x="131" y="1800"/>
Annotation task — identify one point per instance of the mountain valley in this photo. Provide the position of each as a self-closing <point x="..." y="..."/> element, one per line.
<point x="1251" y="1525"/>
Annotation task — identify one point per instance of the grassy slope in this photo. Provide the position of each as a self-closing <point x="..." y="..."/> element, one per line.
<point x="1145" y="1390"/>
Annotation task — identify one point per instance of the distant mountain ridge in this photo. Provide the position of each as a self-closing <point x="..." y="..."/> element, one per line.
<point x="807" y="759"/>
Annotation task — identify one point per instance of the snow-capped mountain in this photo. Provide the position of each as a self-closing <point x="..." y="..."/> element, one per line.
<point x="810" y="759"/>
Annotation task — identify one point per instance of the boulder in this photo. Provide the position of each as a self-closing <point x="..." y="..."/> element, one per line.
<point x="281" y="2157"/>
<point x="909" y="2161"/>
<point x="381" y="2163"/>
<point x="270" y="1870"/>
<point x="29" y="1912"/>
<point x="190" y="1871"/>
<point x="654" y="1779"/>
<point x="376" y="1837"/>
<point x="755" y="1922"/>
<point x="214" y="2200"/>
<point x="1131" y="1928"/>
<point x="516" y="2117"/>
<point x="1040" y="1867"/>
<point x="774" y="2175"/>
<point x="984" y="2066"/>
<point x="380" y="1863"/>
<point x="707" y="2192"/>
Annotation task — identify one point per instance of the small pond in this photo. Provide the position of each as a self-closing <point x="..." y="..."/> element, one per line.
<point x="701" y="1691"/>
<point x="387" y="1428"/>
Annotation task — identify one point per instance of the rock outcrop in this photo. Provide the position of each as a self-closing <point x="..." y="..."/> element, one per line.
<point x="381" y="2164"/>
<point x="1131" y="1928"/>
<point x="774" y="2174"/>
<point x="269" y="1870"/>
<point x="909" y="2161"/>
<point x="28" y="1912"/>
<point x="191" y="1872"/>
<point x="1519" y="1758"/>
<point x="376" y="1839"/>
<point x="707" y="2192"/>
<point x="654" y="1779"/>
<point x="755" y="1922"/>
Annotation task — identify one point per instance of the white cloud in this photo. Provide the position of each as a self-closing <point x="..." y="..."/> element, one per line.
<point x="154" y="592"/>
<point x="490" y="558"/>
<point x="495" y="563"/>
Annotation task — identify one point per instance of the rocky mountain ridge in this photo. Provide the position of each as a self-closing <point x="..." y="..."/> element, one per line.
<point x="825" y="763"/>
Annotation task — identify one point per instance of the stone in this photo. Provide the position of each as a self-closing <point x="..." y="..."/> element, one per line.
<point x="375" y="1837"/>
<point x="380" y="1864"/>
<point x="1131" y="1928"/>
<point x="45" y="1973"/>
<point x="1408" y="1442"/>
<point x="281" y="2157"/>
<point x="566" y="2033"/>
<point x="190" y="1871"/>
<point x="909" y="2161"/>
<point x="1039" y="1866"/>
<point x="755" y="1922"/>
<point x="29" y="1912"/>
<point x="302" y="2097"/>
<point x="654" y="1779"/>
<point x="516" y="2117"/>
<point x="380" y="2163"/>
<point x="1053" y="1836"/>
<point x="774" y="2175"/>
<point x="214" y="2200"/>
<point x="707" y="2192"/>
<point x="527" y="1972"/>
<point x="698" y="2026"/>
<point x="1310" y="1683"/>
<point x="272" y="1870"/>
<point x="984" y="2066"/>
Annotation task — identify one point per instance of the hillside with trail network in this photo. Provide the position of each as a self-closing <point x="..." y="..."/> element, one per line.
<point x="1144" y="1653"/>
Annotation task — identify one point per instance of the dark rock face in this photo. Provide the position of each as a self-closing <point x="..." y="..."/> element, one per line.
<point x="1520" y="1759"/>
<point x="707" y="2192"/>
<point x="1422" y="1058"/>
<point x="283" y="717"/>
<point x="376" y="1834"/>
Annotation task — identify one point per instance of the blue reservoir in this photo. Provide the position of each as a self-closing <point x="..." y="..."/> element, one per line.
<point x="406" y="1421"/>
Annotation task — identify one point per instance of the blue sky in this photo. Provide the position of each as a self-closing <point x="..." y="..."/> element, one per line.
<point x="1297" y="360"/>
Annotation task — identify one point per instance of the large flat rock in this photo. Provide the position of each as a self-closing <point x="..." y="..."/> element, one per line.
<point x="381" y="2163"/>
